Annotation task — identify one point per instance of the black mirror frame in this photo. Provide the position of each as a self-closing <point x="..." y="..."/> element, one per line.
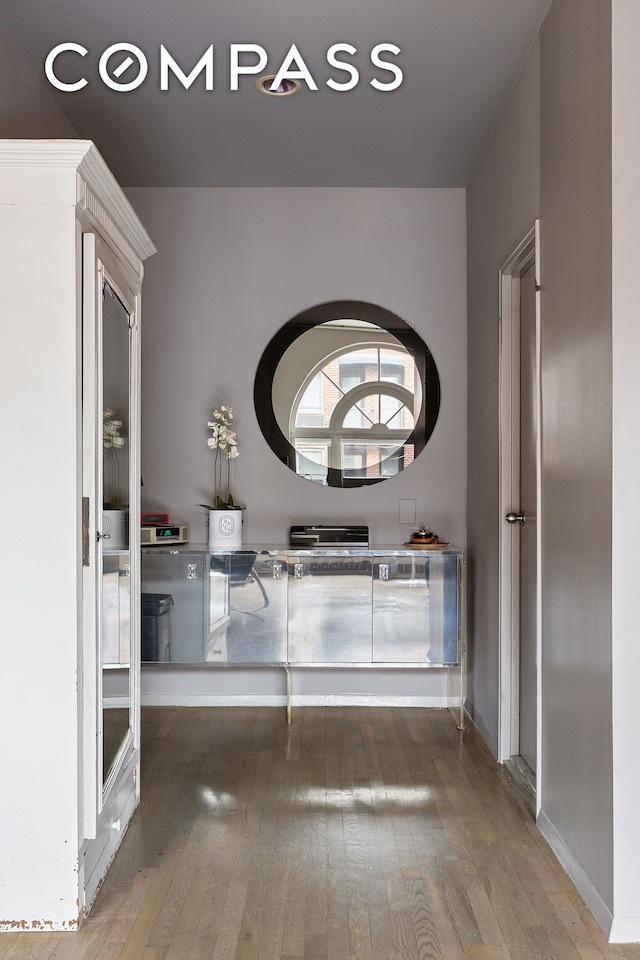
<point x="312" y="317"/>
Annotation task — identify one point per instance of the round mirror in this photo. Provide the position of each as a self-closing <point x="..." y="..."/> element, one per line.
<point x="347" y="394"/>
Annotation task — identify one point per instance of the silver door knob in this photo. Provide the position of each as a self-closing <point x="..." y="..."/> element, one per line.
<point x="515" y="518"/>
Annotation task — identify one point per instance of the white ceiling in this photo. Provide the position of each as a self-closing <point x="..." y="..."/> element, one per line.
<point x="459" y="59"/>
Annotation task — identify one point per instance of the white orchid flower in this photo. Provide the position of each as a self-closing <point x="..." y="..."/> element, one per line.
<point x="224" y="439"/>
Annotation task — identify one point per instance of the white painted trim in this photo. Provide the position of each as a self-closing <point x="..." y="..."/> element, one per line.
<point x="39" y="926"/>
<point x="98" y="855"/>
<point x="625" y="931"/>
<point x="368" y="701"/>
<point x="118" y="703"/>
<point x="594" y="902"/>
<point x="83" y="156"/>
<point x="90" y="581"/>
<point x="44" y="153"/>
<point x="212" y="700"/>
<point x="539" y="735"/>
<point x="525" y="254"/>
<point x="105" y="799"/>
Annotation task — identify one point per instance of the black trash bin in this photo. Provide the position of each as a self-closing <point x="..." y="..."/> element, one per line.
<point x="156" y="635"/>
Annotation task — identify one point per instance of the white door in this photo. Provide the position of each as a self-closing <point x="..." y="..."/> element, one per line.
<point x="520" y="527"/>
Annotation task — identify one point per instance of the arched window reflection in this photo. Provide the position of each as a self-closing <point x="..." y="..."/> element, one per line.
<point x="347" y="394"/>
<point x="355" y="414"/>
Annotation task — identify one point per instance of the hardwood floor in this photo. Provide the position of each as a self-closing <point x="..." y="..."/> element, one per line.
<point x="354" y="834"/>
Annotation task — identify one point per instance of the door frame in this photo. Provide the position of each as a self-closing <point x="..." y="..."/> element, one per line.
<point x="521" y="259"/>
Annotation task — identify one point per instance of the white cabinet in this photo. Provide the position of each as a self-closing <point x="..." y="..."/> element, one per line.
<point x="71" y="255"/>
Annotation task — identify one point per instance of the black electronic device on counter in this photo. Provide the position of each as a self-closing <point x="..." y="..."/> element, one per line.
<point x="321" y="535"/>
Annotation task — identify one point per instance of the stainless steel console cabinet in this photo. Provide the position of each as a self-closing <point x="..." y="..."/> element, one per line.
<point x="372" y="607"/>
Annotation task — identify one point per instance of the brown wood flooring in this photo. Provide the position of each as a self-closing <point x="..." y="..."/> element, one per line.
<point x="356" y="833"/>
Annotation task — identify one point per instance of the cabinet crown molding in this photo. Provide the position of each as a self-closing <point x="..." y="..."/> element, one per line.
<point x="83" y="157"/>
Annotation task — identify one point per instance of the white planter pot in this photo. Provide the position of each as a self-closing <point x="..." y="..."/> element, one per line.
<point x="114" y="529"/>
<point x="225" y="529"/>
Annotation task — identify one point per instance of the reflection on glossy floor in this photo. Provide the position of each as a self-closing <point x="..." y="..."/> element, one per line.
<point x="380" y="833"/>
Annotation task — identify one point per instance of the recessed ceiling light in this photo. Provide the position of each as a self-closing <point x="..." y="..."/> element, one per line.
<point x="285" y="88"/>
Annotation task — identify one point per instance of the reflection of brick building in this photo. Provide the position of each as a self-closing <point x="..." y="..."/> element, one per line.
<point x="364" y="448"/>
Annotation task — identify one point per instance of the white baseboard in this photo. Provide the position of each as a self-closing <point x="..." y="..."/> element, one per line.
<point x="214" y="700"/>
<point x="595" y="904"/>
<point x="329" y="700"/>
<point x="626" y="930"/>
<point x="209" y="700"/>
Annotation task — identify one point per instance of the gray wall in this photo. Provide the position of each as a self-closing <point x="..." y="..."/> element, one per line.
<point x="502" y="205"/>
<point x="626" y="466"/>
<point x="550" y="156"/>
<point x="577" y="433"/>
<point x="233" y="266"/>
<point x="27" y="108"/>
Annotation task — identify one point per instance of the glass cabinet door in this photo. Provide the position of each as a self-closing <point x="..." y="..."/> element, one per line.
<point x="116" y="353"/>
<point x="116" y="655"/>
<point x="111" y="497"/>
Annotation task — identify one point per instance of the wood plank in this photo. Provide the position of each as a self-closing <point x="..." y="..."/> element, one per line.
<point x="356" y="833"/>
